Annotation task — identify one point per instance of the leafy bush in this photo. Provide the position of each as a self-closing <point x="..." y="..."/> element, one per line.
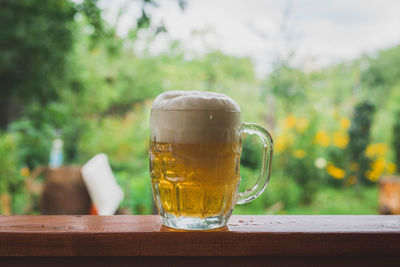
<point x="396" y="140"/>
<point x="360" y="138"/>
<point x="11" y="181"/>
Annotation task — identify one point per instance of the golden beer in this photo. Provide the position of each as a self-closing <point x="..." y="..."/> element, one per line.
<point x="195" y="149"/>
<point x="195" y="180"/>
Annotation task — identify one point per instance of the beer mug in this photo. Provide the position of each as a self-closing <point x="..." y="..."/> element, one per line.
<point x="195" y="152"/>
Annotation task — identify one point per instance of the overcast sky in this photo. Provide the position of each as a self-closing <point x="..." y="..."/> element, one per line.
<point x="318" y="31"/>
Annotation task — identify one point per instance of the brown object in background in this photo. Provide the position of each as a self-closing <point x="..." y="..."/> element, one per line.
<point x="389" y="195"/>
<point x="64" y="192"/>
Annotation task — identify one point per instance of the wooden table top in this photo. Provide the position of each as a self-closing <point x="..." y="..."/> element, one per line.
<point x="270" y="235"/>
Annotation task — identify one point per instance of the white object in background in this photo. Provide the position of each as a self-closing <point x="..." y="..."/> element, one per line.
<point x="56" y="153"/>
<point x="101" y="184"/>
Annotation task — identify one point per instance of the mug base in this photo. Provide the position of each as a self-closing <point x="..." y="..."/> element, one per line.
<point x="193" y="223"/>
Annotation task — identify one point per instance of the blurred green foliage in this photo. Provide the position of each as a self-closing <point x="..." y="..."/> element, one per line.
<point x="8" y="163"/>
<point x="63" y="67"/>
<point x="35" y="37"/>
<point x="396" y="140"/>
<point x="360" y="137"/>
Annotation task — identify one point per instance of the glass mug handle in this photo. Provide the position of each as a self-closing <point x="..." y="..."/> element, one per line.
<point x="265" y="171"/>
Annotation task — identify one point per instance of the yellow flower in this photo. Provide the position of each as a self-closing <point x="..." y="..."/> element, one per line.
<point x="372" y="176"/>
<point x="24" y="171"/>
<point x="322" y="138"/>
<point x="345" y="123"/>
<point x="370" y="150"/>
<point x="290" y="122"/>
<point x="382" y="149"/>
<point x="340" y="139"/>
<point x="279" y="144"/>
<point x="377" y="169"/>
<point x="391" y="168"/>
<point x="376" y="150"/>
<point x="379" y="165"/>
<point x="335" y="172"/>
<point x="301" y="125"/>
<point x="283" y="142"/>
<point x="299" y="153"/>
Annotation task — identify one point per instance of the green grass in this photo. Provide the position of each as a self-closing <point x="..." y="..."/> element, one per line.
<point x="350" y="200"/>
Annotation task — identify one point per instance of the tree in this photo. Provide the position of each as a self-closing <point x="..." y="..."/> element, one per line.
<point x="35" y="39"/>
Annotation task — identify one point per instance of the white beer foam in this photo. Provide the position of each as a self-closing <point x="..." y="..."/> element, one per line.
<point x="192" y="117"/>
<point x="194" y="100"/>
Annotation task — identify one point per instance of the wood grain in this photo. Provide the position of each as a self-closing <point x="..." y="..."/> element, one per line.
<point x="363" y="237"/>
<point x="199" y="261"/>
